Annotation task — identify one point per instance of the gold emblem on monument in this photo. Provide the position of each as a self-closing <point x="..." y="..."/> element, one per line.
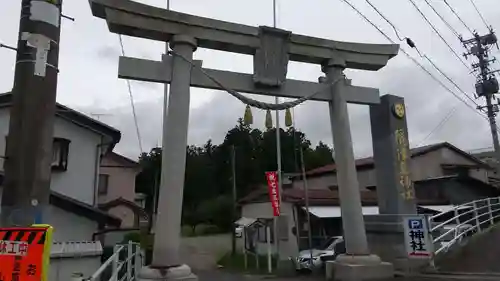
<point x="399" y="110"/>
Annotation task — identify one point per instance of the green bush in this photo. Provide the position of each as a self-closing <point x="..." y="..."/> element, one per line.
<point x="209" y="229"/>
<point x="132" y="236"/>
<point x="145" y="240"/>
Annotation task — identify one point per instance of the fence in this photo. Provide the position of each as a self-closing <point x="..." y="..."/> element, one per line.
<point x="456" y="226"/>
<point x="123" y="265"/>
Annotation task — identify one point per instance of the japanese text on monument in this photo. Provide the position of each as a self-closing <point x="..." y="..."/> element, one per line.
<point x="404" y="172"/>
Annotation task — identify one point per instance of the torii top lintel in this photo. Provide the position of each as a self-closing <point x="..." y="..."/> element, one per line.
<point x="144" y="21"/>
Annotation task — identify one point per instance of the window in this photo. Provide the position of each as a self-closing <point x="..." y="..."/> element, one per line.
<point x="60" y="152"/>
<point x="261" y="230"/>
<point x="103" y="184"/>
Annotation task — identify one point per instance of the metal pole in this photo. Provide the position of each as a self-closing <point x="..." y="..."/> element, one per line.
<point x="306" y="191"/>
<point x="156" y="188"/>
<point x="32" y="115"/>
<point x="233" y="166"/>
<point x="278" y="158"/>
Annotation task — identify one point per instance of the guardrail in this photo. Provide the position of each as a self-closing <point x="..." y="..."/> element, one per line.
<point x="123" y="265"/>
<point x="457" y="225"/>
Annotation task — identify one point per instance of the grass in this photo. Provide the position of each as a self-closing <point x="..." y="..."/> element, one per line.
<point x="236" y="263"/>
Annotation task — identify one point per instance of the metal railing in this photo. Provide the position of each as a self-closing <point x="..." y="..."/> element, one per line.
<point x="456" y="226"/>
<point x="123" y="265"/>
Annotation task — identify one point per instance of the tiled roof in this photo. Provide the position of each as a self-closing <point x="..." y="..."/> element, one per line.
<point x="368" y="162"/>
<point x="77" y="118"/>
<point x="318" y="197"/>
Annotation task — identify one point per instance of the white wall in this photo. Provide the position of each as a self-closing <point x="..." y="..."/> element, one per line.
<point x="264" y="210"/>
<point x="68" y="226"/>
<point x="78" y="181"/>
<point x="61" y="269"/>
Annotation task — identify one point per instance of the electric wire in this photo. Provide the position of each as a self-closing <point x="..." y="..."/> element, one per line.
<point x="449" y="79"/>
<point x="412" y="59"/>
<point x="132" y="103"/>
<point x="439" y="34"/>
<point x="458" y="16"/>
<point x="387" y="20"/>
<point x="479" y="13"/>
<point x="413" y="45"/>
<point x="442" y="18"/>
<point x="439" y="125"/>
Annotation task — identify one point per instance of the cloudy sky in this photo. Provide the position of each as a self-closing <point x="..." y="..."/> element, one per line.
<point x="89" y="57"/>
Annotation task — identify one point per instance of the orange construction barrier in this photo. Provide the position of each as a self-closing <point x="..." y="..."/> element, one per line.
<point x="24" y="253"/>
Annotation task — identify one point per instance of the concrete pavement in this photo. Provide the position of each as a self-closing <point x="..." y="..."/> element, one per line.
<point x="227" y="276"/>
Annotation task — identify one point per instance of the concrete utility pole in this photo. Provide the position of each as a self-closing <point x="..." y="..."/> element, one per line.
<point x="235" y="196"/>
<point x="29" y="143"/>
<point x="486" y="83"/>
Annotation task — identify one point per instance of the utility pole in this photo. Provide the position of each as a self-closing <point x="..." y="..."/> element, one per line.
<point x="30" y="139"/>
<point x="233" y="168"/>
<point x="486" y="82"/>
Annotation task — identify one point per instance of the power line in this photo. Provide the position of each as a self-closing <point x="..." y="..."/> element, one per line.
<point x="411" y="58"/>
<point x="458" y="17"/>
<point x="387" y="20"/>
<point x="443" y="19"/>
<point x="479" y="13"/>
<point x="439" y="125"/>
<point x="413" y="45"/>
<point x="132" y="104"/>
<point x="449" y="79"/>
<point x="439" y="34"/>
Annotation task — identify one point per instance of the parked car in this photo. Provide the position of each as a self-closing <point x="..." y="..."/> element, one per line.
<point x="329" y="251"/>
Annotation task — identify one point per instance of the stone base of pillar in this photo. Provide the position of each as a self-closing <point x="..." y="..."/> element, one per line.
<point x="357" y="268"/>
<point x="182" y="272"/>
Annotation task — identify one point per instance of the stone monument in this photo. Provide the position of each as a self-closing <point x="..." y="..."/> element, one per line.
<point x="395" y="190"/>
<point x="272" y="48"/>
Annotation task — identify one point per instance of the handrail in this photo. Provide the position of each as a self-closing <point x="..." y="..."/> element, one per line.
<point x="468" y="219"/>
<point x="105" y="265"/>
<point x="131" y="263"/>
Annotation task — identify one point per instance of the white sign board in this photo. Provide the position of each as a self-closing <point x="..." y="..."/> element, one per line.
<point x="418" y="241"/>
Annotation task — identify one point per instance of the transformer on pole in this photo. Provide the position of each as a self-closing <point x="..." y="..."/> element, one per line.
<point x="486" y="82"/>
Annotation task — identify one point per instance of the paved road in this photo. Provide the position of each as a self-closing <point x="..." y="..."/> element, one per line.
<point x="225" y="276"/>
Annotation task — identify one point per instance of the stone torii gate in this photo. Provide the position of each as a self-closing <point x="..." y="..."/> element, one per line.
<point x="272" y="49"/>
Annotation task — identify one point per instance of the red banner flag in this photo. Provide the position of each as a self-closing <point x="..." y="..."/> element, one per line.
<point x="274" y="193"/>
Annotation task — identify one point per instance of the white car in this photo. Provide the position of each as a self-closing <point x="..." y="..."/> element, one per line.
<point x="329" y="251"/>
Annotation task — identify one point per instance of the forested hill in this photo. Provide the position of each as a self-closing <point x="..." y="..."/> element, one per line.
<point x="208" y="185"/>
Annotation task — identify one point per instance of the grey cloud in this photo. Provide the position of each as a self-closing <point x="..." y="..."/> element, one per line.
<point x="108" y="53"/>
<point x="89" y="56"/>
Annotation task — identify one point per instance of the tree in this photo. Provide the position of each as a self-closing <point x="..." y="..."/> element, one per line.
<point x="208" y="179"/>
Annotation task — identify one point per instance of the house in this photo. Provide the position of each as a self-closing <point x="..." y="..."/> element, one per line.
<point x="116" y="189"/>
<point x="79" y="144"/>
<point x="489" y="158"/>
<point x="443" y="176"/>
<point x="427" y="162"/>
